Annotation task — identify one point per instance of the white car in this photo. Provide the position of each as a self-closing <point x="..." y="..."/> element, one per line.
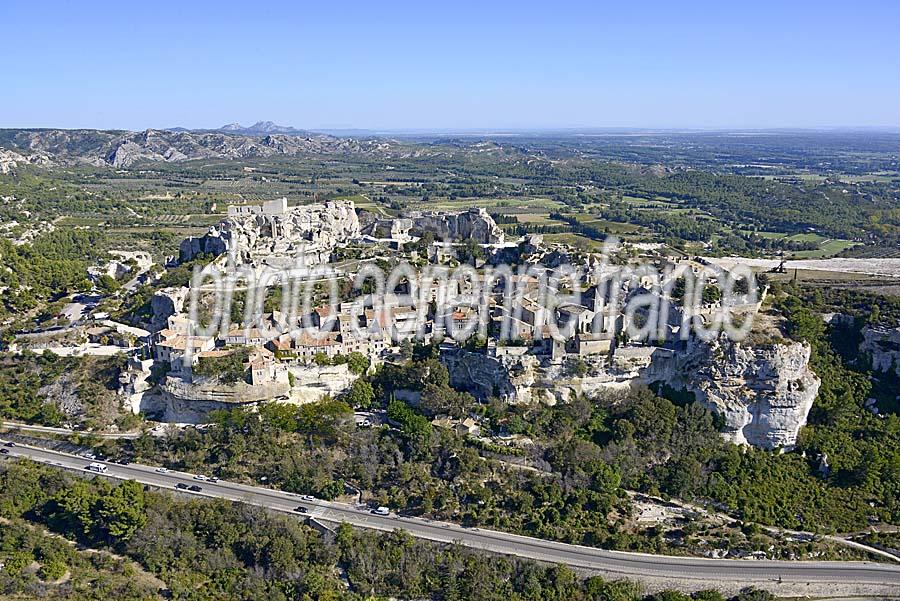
<point x="382" y="511"/>
<point x="200" y="477"/>
<point x="308" y="498"/>
<point x="162" y="470"/>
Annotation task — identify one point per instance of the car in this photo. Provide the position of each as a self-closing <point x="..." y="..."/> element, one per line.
<point x="96" y="467"/>
<point x="213" y="479"/>
<point x="308" y="498"/>
<point x="200" y="477"/>
<point x="301" y="509"/>
<point x="162" y="470"/>
<point x="181" y="486"/>
<point x="194" y="488"/>
<point x="10" y="444"/>
<point x="381" y="511"/>
<point x="4" y="451"/>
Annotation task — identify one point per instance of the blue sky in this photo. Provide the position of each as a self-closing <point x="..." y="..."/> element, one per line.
<point x="450" y="65"/>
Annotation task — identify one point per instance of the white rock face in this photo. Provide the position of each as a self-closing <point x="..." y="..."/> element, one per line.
<point x="312" y="382"/>
<point x="165" y="303"/>
<point x="134" y="384"/>
<point x="10" y="160"/>
<point x="883" y="346"/>
<point x="764" y="394"/>
<point x="511" y="378"/>
<point x="307" y="232"/>
<point x="474" y="224"/>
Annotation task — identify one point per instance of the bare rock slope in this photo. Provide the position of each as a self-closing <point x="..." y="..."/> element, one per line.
<point x="764" y="394"/>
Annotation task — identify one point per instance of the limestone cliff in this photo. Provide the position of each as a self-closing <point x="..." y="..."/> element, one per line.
<point x="165" y="303"/>
<point x="882" y="345"/>
<point x="509" y="377"/>
<point x="764" y="394"/>
<point x="474" y="224"/>
<point x="307" y="232"/>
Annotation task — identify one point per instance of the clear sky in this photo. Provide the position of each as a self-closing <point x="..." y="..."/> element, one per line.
<point x="450" y="64"/>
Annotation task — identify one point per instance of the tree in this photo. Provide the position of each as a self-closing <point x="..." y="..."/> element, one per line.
<point x="357" y="362"/>
<point x="107" y="285"/>
<point x="361" y="394"/>
<point x="283" y="416"/>
<point x="122" y="512"/>
<point x="416" y="427"/>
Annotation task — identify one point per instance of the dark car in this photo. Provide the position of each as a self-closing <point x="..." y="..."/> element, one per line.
<point x="194" y="488"/>
<point x="4" y="451"/>
<point x="181" y="485"/>
<point x="301" y="509"/>
<point x="10" y="444"/>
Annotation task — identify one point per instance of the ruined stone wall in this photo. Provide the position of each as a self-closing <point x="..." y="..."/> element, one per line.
<point x="301" y="230"/>
<point x="474" y="224"/>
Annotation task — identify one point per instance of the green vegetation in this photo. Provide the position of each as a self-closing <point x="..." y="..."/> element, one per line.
<point x="37" y="564"/>
<point x="47" y="389"/>
<point x="55" y="264"/>
<point x="589" y="452"/>
<point x="205" y="549"/>
<point x="228" y="369"/>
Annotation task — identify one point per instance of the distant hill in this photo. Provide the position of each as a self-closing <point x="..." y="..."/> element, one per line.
<point x="125" y="148"/>
<point x="262" y="128"/>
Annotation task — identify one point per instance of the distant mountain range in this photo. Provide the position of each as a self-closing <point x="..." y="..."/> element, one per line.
<point x="123" y="149"/>
<point x="120" y="149"/>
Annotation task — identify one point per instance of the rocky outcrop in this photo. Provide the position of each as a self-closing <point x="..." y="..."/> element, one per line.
<point x="882" y="345"/>
<point x="474" y="224"/>
<point x="764" y="394"/>
<point x="313" y="382"/>
<point x="306" y="232"/>
<point x="212" y="243"/>
<point x="165" y="303"/>
<point x="134" y="384"/>
<point x="10" y="160"/>
<point x="509" y="377"/>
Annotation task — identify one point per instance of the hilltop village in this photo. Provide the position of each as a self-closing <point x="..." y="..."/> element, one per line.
<point x="525" y="351"/>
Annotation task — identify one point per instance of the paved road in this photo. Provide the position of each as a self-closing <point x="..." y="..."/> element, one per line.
<point x="817" y="577"/>
<point x="65" y="431"/>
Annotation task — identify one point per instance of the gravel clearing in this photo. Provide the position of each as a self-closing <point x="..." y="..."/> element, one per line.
<point x="879" y="267"/>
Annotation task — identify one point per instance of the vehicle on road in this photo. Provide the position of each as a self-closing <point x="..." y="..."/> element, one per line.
<point x="162" y="470"/>
<point x="308" y="497"/>
<point x="181" y="486"/>
<point x="301" y="509"/>
<point x="381" y="511"/>
<point x="96" y="467"/>
<point x="194" y="488"/>
<point x="4" y="451"/>
<point x="213" y="479"/>
<point x="10" y="444"/>
<point x="200" y="477"/>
